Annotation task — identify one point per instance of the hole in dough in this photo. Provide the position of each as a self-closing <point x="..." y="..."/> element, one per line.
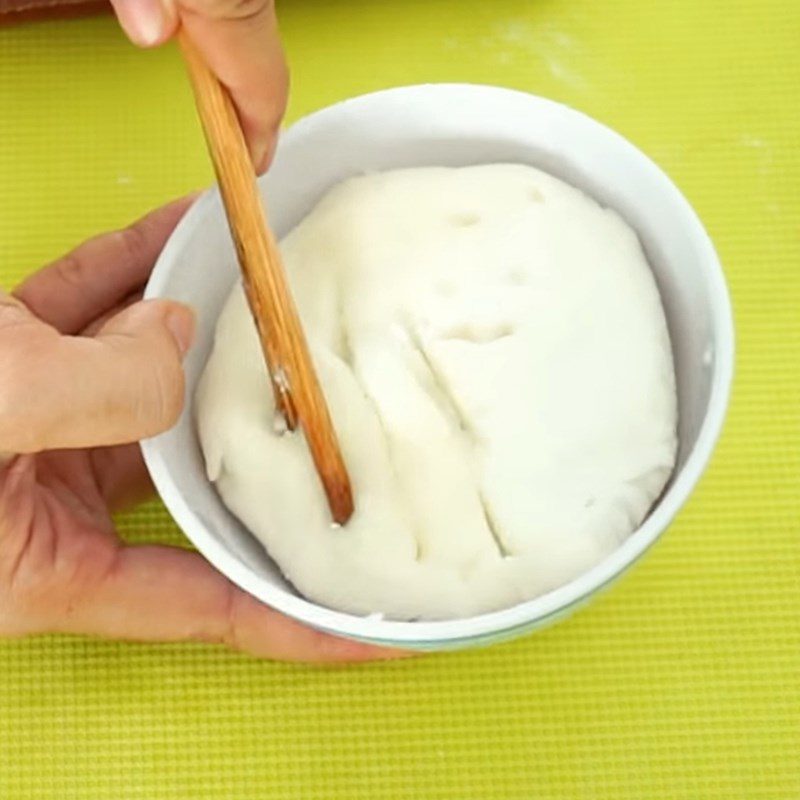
<point x="479" y="334"/>
<point x="465" y="219"/>
<point x="517" y="276"/>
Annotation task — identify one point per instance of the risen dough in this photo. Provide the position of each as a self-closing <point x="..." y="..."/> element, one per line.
<point x="494" y="352"/>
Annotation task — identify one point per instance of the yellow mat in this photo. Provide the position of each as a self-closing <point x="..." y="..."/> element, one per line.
<point x="683" y="683"/>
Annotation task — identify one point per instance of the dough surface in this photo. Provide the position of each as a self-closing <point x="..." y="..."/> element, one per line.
<point x="494" y="352"/>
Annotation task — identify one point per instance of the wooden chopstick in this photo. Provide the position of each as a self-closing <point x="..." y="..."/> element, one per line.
<point x="298" y="395"/>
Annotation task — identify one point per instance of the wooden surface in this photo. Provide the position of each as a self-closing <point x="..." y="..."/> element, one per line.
<point x="16" y="11"/>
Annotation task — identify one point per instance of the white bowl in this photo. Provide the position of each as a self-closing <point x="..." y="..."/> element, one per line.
<point x="450" y="125"/>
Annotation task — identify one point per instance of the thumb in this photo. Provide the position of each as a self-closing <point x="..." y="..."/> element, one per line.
<point x="146" y="22"/>
<point x="124" y="384"/>
<point x="165" y="320"/>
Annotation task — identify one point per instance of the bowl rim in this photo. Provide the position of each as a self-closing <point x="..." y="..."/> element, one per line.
<point x="557" y="601"/>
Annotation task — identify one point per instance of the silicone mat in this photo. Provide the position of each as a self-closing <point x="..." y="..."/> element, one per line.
<point x="681" y="683"/>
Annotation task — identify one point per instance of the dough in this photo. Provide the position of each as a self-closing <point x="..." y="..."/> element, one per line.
<point x="495" y="356"/>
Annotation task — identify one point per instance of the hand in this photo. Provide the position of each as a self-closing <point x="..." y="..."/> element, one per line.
<point x="239" y="40"/>
<point x="87" y="368"/>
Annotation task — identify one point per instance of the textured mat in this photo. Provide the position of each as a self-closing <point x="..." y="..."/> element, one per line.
<point x="683" y="683"/>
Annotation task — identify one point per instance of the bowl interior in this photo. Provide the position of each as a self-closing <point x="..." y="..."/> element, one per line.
<point x="448" y="125"/>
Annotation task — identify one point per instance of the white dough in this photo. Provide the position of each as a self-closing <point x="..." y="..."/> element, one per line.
<point x="495" y="356"/>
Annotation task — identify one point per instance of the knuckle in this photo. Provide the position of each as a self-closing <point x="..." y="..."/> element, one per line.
<point x="133" y="241"/>
<point x="245" y="9"/>
<point x="72" y="270"/>
<point x="240" y="10"/>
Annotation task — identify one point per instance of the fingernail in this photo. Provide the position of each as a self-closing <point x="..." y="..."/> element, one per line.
<point x="144" y="21"/>
<point x="180" y="322"/>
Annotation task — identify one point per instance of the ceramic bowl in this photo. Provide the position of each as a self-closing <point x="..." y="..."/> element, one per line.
<point x="450" y="125"/>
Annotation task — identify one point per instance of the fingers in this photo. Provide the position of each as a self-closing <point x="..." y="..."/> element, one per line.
<point x="96" y="276"/>
<point x="240" y="43"/>
<point x="124" y="384"/>
<point x="147" y="22"/>
<point x="167" y="594"/>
